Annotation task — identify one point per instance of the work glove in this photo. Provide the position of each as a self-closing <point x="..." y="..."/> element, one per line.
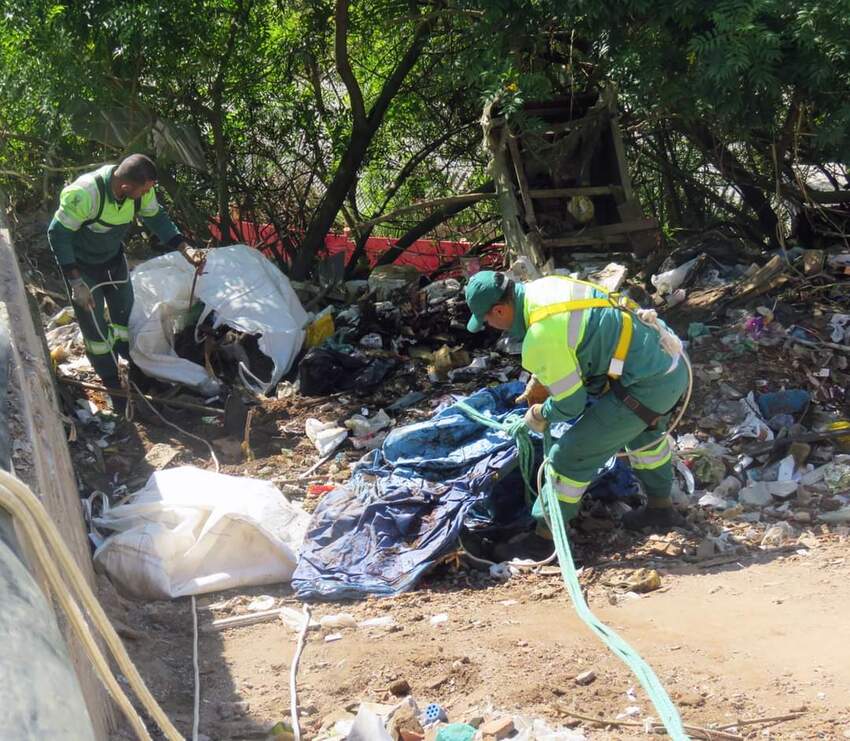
<point x="194" y="256"/>
<point x="81" y="294"/>
<point x="535" y="392"/>
<point x="534" y="418"/>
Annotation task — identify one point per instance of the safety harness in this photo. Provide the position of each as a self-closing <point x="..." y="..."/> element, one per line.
<point x="621" y="350"/>
<point x="101" y="189"/>
<point x="613" y="301"/>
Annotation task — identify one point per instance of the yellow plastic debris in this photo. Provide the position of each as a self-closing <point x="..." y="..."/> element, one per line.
<point x="645" y="580"/>
<point x="321" y="328"/>
<point x="843" y="442"/>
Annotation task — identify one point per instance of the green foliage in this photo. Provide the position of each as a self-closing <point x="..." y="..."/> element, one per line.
<point x="243" y="103"/>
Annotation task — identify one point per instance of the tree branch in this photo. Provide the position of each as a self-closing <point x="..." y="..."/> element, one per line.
<point x="392" y="85"/>
<point x="416" y="160"/>
<point x="343" y="64"/>
<point x="466" y="199"/>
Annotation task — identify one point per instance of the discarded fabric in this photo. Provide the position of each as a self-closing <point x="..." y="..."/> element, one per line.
<point x="405" y="505"/>
<point x="325" y="371"/>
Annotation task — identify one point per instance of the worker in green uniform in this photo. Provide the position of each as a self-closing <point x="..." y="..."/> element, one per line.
<point x="577" y="341"/>
<point x="87" y="233"/>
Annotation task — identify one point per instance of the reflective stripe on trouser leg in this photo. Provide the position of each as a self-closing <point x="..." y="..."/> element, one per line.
<point x="656" y="477"/>
<point x="98" y="347"/>
<point x="566" y="489"/>
<point x="120" y="333"/>
<point x="653" y="457"/>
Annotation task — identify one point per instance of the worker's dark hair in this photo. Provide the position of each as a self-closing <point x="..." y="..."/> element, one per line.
<point x="137" y="168"/>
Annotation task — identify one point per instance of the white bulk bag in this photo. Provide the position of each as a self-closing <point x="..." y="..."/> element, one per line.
<point x="247" y="292"/>
<point x="190" y="531"/>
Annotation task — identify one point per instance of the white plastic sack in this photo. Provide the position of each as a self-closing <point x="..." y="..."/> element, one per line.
<point x="670" y="280"/>
<point x="245" y="290"/>
<point x="190" y="531"/>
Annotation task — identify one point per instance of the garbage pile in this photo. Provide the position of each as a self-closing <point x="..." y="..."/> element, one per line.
<point x="407" y="721"/>
<point x="770" y="455"/>
<point x="769" y="463"/>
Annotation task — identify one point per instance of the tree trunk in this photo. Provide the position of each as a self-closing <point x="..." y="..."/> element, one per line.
<point x="671" y="196"/>
<point x="221" y="188"/>
<point x="363" y="131"/>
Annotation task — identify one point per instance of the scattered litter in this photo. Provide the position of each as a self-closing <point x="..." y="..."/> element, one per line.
<point x="777" y="535"/>
<point x="405" y="402"/>
<point x="633" y="711"/>
<point x="326" y="436"/>
<point x="837" y="477"/>
<point x="261" y="603"/>
<point x="713" y="501"/>
<point x="586" y="678"/>
<point x="337" y="621"/>
<point x="366" y="431"/>
<point x="839" y="326"/>
<point x="644" y="580"/>
<point x="791" y="402"/>
<point x="372" y="341"/>
<point x="439" y="619"/>
<point x="434" y="713"/>
<point x="500" y="571"/>
<point x="386" y="280"/>
<point x="385" y="621"/>
<point x="669" y="281"/>
<point x="331" y="637"/>
<point x="456" y="732"/>
<point x="160" y="455"/>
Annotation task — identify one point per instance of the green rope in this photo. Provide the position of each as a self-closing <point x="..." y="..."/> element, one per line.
<point x="514" y="426"/>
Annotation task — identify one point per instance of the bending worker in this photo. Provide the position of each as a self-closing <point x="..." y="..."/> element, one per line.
<point x="87" y="238"/>
<point x="575" y="341"/>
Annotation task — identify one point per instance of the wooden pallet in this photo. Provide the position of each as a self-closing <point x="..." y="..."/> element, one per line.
<point x="553" y="154"/>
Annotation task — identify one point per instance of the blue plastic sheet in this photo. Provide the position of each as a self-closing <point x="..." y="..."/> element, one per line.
<point x="405" y="505"/>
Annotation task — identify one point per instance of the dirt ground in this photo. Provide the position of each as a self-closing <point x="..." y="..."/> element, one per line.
<point x="763" y="636"/>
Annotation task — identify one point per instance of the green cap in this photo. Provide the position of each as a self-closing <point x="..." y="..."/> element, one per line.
<point x="484" y="289"/>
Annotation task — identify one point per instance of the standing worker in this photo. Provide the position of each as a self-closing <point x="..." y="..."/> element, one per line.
<point x="578" y="339"/>
<point x="87" y="238"/>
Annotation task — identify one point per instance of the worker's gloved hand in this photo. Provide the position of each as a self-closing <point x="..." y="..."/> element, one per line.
<point x="535" y="392"/>
<point x="81" y="294"/>
<point x="194" y="256"/>
<point x="534" y="418"/>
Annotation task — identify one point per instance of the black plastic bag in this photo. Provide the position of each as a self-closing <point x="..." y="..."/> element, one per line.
<point x="323" y="371"/>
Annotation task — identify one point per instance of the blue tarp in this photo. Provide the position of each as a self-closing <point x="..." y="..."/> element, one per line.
<point x="405" y="504"/>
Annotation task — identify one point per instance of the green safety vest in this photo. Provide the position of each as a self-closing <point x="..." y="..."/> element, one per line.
<point x="556" y="310"/>
<point x="85" y="203"/>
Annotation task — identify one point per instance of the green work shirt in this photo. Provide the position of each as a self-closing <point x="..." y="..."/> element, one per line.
<point x="74" y="240"/>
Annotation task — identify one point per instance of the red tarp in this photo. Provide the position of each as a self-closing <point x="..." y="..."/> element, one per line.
<point x="426" y="255"/>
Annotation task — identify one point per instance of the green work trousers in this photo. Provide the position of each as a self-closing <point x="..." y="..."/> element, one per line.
<point x="609" y="426"/>
<point x="106" y="334"/>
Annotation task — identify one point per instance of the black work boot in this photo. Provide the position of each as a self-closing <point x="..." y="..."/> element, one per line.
<point x="656" y="517"/>
<point x="525" y="545"/>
